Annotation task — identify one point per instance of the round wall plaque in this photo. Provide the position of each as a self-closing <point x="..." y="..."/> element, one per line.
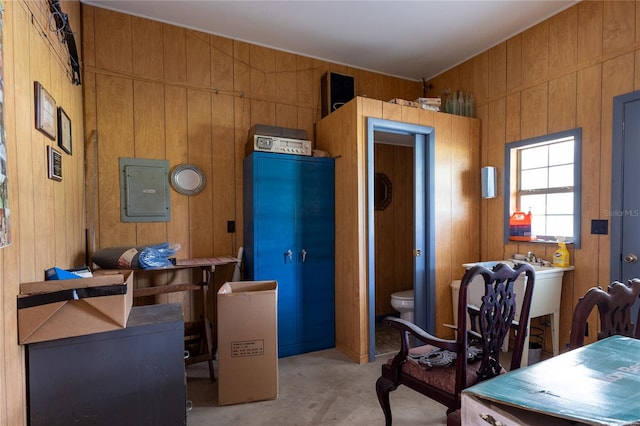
<point x="188" y="179"/>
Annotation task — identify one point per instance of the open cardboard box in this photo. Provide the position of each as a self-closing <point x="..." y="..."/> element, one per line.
<point x="49" y="310"/>
<point x="247" y="341"/>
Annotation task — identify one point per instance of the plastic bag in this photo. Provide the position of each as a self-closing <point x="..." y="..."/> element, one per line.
<point x="157" y="256"/>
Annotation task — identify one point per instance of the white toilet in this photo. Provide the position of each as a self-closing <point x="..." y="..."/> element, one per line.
<point x="402" y="302"/>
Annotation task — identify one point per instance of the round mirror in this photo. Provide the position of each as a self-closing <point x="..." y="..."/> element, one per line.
<point x="382" y="191"/>
<point x="188" y="179"/>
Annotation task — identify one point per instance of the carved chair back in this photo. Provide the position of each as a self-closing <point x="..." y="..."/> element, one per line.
<point x="490" y="323"/>
<point x="614" y="308"/>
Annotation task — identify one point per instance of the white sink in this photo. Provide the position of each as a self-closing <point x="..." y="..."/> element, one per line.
<point x="511" y="262"/>
<point x="546" y="297"/>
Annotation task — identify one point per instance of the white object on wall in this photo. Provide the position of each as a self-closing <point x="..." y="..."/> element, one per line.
<point x="488" y="182"/>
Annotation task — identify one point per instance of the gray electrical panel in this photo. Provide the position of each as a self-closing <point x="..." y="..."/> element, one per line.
<point x="144" y="190"/>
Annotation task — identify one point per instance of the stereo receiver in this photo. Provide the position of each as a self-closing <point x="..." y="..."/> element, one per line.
<point x="278" y="144"/>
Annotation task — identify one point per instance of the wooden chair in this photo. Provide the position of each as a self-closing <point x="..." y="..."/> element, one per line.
<point x="485" y="330"/>
<point x="614" y="307"/>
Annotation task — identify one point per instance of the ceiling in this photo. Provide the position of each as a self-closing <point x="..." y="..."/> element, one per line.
<point x="407" y="39"/>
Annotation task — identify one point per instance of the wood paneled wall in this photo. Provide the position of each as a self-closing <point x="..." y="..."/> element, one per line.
<point x="47" y="217"/>
<point x="154" y="90"/>
<point x="394" y="228"/>
<point x="343" y="133"/>
<point x="560" y="74"/>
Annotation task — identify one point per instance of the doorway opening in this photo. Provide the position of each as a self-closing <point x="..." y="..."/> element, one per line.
<point x="413" y="144"/>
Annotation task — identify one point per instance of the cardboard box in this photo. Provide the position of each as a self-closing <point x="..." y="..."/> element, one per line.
<point x="247" y="341"/>
<point x="404" y="102"/>
<point x="49" y="310"/>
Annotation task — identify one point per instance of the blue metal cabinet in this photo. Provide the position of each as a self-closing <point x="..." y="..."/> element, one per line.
<point x="289" y="237"/>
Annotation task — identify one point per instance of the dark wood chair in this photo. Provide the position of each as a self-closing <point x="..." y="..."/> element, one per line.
<point x="614" y="308"/>
<point x="480" y="331"/>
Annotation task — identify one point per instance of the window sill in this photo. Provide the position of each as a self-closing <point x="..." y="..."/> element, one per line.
<point x="539" y="241"/>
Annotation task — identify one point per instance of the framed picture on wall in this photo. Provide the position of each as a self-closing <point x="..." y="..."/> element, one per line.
<point x="54" y="162"/>
<point x="45" y="107"/>
<point x="64" y="131"/>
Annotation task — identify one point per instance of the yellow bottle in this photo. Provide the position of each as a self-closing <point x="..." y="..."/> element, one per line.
<point x="561" y="256"/>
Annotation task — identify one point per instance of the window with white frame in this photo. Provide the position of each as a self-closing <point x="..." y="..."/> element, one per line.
<point x="542" y="176"/>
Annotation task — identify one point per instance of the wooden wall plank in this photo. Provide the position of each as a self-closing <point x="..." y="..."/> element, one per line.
<point x="198" y="58"/>
<point x="113" y="40"/>
<point x="223" y="174"/>
<point x="148" y="120"/>
<point x="17" y="128"/>
<point x="147" y="48"/>
<point x="241" y="124"/>
<point x="285" y="78"/>
<point x="562" y="103"/>
<point x="480" y="78"/>
<point x="262" y="112"/>
<point x="513" y="122"/>
<point x="465" y="75"/>
<point x="461" y="208"/>
<point x="287" y="116"/>
<point x="589" y="30"/>
<point x="58" y="209"/>
<point x="385" y="230"/>
<point x="392" y="112"/>
<point x="393" y="226"/>
<point x="306" y="83"/>
<point x="589" y="86"/>
<point x="514" y="62"/>
<point x="443" y="197"/>
<point x="619" y="24"/>
<point x="174" y="42"/>
<point x="492" y="227"/>
<point x="221" y="62"/>
<point x="242" y="68"/>
<point x="535" y="61"/>
<point x="42" y="187"/>
<point x="263" y="77"/>
<point x="563" y="40"/>
<point x="534" y="118"/>
<point x="114" y="106"/>
<point x="176" y="136"/>
<point x="410" y="115"/>
<point x="199" y="127"/>
<point x="149" y="131"/>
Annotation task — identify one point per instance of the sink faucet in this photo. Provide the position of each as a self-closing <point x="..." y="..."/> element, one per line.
<point x="531" y="257"/>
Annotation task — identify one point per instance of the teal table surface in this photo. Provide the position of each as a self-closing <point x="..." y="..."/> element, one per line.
<point x="596" y="384"/>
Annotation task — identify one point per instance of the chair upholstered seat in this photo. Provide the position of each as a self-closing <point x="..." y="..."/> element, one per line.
<point x="440" y="377"/>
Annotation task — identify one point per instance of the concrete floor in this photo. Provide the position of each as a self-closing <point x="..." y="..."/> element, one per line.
<point x="317" y="388"/>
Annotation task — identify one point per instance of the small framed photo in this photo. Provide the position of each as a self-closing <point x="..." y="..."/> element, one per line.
<point x="54" y="163"/>
<point x="64" y="131"/>
<point x="45" y="107"/>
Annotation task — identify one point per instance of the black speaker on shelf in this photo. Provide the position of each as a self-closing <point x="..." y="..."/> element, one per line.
<point x="335" y="91"/>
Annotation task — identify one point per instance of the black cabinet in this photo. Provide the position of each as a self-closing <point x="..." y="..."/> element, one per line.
<point x="134" y="376"/>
